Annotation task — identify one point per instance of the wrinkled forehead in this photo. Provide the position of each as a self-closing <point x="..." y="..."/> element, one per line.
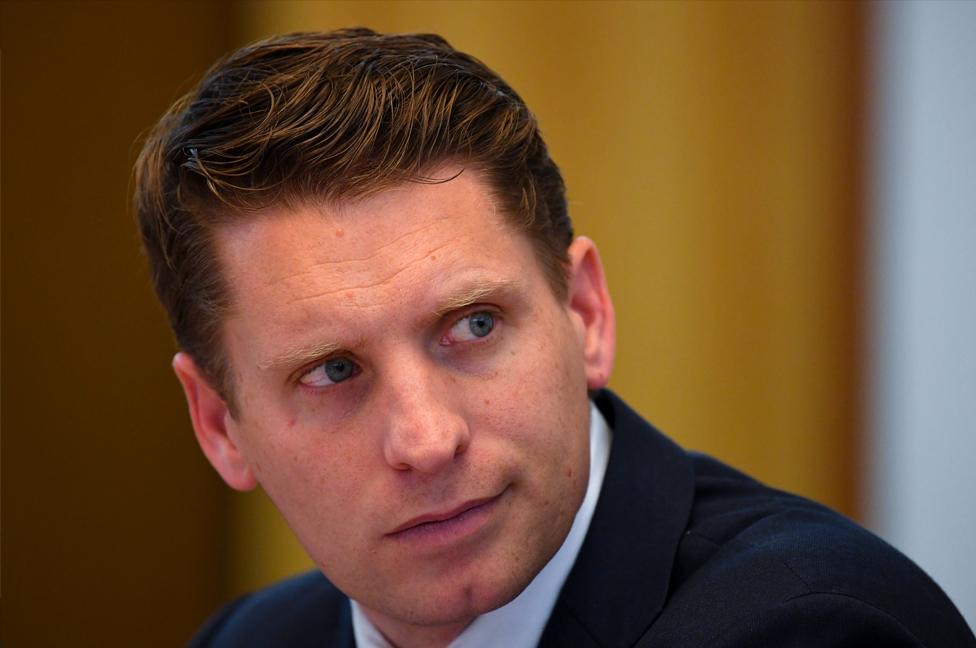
<point x="372" y="241"/>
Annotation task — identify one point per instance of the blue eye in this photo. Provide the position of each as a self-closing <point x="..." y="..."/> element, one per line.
<point x="473" y="326"/>
<point x="481" y="324"/>
<point x="330" y="372"/>
<point x="338" y="369"/>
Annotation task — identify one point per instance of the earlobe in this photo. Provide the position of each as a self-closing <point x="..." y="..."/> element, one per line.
<point x="590" y="301"/>
<point x="212" y="425"/>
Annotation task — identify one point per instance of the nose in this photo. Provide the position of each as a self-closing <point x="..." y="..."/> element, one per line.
<point x="426" y="431"/>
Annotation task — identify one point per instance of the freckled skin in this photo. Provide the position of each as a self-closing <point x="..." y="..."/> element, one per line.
<point x="423" y="426"/>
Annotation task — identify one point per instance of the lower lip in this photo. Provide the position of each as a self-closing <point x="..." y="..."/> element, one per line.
<point x="450" y="531"/>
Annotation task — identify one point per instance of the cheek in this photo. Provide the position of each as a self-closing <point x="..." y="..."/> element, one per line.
<point x="539" y="405"/>
<point x="311" y="474"/>
<point x="290" y="441"/>
<point x="544" y="378"/>
<point x="321" y="489"/>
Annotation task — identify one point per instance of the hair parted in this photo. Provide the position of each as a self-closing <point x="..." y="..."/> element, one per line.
<point x="328" y="117"/>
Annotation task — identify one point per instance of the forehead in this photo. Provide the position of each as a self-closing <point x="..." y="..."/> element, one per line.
<point x="297" y="270"/>
<point x="361" y="236"/>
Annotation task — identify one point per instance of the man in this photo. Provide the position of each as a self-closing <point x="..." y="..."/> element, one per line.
<point x="385" y="321"/>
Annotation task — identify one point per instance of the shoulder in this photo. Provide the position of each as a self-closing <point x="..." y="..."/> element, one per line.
<point x="305" y="610"/>
<point x="756" y="565"/>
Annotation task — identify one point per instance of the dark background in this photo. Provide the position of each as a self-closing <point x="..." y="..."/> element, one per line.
<point x="110" y="514"/>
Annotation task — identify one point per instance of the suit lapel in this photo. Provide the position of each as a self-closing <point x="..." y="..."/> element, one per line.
<point x="619" y="582"/>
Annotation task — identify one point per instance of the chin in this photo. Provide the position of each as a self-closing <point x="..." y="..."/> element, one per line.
<point x="463" y="601"/>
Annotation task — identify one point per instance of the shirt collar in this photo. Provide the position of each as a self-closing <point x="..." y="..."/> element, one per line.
<point x="520" y="622"/>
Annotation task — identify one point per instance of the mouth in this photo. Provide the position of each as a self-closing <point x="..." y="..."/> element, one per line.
<point x="439" y="527"/>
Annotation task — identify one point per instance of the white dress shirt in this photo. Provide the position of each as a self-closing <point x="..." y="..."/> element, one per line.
<point x="519" y="623"/>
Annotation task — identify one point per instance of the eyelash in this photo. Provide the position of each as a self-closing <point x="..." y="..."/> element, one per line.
<point x="476" y="310"/>
<point x="497" y="320"/>
<point x="356" y="370"/>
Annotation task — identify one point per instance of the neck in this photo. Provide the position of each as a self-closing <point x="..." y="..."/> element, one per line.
<point x="406" y="635"/>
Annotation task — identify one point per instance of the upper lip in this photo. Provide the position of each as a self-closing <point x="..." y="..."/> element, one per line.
<point x="440" y="516"/>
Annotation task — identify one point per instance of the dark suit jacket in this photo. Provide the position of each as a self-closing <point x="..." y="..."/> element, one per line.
<point x="681" y="551"/>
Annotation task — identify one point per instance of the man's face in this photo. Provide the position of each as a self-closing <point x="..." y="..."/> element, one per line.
<point x="412" y="396"/>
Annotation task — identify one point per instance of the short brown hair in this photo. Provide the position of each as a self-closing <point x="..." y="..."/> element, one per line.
<point x="328" y="117"/>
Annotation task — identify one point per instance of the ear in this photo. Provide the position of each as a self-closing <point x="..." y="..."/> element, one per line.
<point x="589" y="300"/>
<point x="213" y="425"/>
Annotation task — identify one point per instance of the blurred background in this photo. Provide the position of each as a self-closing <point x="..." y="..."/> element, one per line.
<point x="784" y="198"/>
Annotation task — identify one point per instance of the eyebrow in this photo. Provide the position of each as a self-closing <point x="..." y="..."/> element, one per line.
<point x="472" y="295"/>
<point x="299" y="355"/>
